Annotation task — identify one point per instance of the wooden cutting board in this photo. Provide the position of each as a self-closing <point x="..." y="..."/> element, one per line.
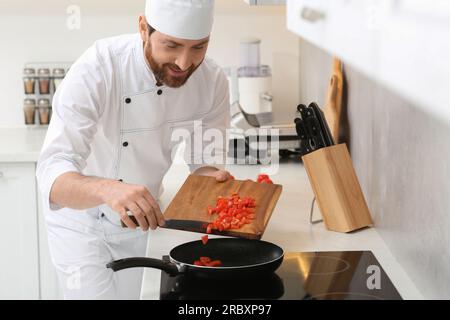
<point x="198" y="192"/>
<point x="333" y="105"/>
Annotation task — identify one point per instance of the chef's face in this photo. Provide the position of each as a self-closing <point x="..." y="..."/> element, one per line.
<point x="172" y="60"/>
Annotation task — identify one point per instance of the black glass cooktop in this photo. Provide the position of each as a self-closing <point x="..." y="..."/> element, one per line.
<point x="336" y="275"/>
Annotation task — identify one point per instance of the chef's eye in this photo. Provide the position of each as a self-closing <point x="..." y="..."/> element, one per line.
<point x="198" y="48"/>
<point x="171" y="46"/>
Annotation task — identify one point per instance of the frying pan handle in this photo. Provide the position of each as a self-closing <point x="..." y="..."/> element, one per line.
<point x="169" y="267"/>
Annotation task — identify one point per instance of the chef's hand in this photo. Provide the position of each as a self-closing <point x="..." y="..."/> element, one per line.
<point x="220" y="175"/>
<point x="123" y="197"/>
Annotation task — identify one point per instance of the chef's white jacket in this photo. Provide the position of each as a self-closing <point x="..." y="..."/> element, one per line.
<point x="111" y="120"/>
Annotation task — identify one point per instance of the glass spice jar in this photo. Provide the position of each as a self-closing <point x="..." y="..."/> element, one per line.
<point x="29" y="80"/>
<point x="58" y="76"/>
<point x="44" y="80"/>
<point x="44" y="111"/>
<point x="29" y="109"/>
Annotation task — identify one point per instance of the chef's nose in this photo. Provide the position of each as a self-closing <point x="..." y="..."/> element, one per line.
<point x="183" y="61"/>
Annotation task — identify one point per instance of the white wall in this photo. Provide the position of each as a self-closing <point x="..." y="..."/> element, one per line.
<point x="34" y="31"/>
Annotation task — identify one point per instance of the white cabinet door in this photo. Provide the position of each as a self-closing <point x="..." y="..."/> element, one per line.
<point x="19" y="267"/>
<point x="402" y="44"/>
<point x="345" y="28"/>
<point x="49" y="289"/>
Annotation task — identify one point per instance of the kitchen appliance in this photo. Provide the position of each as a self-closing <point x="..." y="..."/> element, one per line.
<point x="255" y="80"/>
<point x="183" y="213"/>
<point x="252" y="119"/>
<point x="239" y="257"/>
<point x="338" y="275"/>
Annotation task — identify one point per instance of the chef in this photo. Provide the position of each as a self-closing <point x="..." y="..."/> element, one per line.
<point x="109" y="142"/>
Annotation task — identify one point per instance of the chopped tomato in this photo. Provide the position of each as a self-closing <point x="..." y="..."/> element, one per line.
<point x="205" y="239"/>
<point x="232" y="212"/>
<point x="215" y="263"/>
<point x="264" y="178"/>
<point x="207" y="262"/>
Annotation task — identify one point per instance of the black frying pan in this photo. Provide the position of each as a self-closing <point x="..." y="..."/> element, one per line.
<point x="240" y="257"/>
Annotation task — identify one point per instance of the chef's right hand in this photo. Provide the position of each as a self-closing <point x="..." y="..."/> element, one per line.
<point x="123" y="197"/>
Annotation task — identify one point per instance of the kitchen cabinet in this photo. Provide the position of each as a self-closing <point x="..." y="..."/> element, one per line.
<point x="19" y="276"/>
<point x="26" y="271"/>
<point x="402" y="44"/>
<point x="49" y="286"/>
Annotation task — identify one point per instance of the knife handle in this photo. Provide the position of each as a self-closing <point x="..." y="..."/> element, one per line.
<point x="133" y="218"/>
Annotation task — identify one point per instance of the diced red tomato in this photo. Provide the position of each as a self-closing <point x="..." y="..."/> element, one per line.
<point x="215" y="263"/>
<point x="231" y="212"/>
<point x="205" y="239"/>
<point x="264" y="178"/>
<point x="207" y="262"/>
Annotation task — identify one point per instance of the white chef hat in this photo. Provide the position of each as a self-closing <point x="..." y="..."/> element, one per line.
<point x="183" y="19"/>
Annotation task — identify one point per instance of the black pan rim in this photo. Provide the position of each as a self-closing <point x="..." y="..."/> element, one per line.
<point x="181" y="264"/>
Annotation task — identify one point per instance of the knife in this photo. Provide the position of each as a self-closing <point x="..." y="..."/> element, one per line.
<point x="312" y="128"/>
<point x="322" y="122"/>
<point x="200" y="227"/>
<point x="303" y="130"/>
<point x="187" y="225"/>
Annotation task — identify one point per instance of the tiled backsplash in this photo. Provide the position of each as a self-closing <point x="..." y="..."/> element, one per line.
<point x="401" y="155"/>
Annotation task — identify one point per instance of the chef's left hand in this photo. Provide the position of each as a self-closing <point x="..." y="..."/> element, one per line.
<point x="220" y="175"/>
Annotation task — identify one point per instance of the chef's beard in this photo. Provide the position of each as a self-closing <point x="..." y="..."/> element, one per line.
<point x="162" y="75"/>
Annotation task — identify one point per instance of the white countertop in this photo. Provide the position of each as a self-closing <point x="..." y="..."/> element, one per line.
<point x="21" y="144"/>
<point x="289" y="228"/>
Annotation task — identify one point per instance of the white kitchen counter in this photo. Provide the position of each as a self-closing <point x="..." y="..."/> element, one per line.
<point x="21" y="144"/>
<point x="289" y="228"/>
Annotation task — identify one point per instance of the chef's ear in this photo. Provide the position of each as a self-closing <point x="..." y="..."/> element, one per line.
<point x="143" y="28"/>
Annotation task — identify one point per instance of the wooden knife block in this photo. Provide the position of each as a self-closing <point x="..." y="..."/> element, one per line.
<point x="337" y="189"/>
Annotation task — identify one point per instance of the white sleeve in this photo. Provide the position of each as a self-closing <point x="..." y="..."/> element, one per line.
<point x="77" y="107"/>
<point x="218" y="120"/>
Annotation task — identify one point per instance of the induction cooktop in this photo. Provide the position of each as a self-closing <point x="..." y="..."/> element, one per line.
<point x="331" y="275"/>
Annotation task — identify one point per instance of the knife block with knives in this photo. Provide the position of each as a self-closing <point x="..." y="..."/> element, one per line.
<point x="331" y="173"/>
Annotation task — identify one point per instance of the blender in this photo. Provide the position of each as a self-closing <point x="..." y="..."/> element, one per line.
<point x="251" y="101"/>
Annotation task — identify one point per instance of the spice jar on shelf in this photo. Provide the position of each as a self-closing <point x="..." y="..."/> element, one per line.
<point x="29" y="109"/>
<point x="44" y="111"/>
<point x="44" y="80"/>
<point x="58" y="76"/>
<point x="29" y="80"/>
